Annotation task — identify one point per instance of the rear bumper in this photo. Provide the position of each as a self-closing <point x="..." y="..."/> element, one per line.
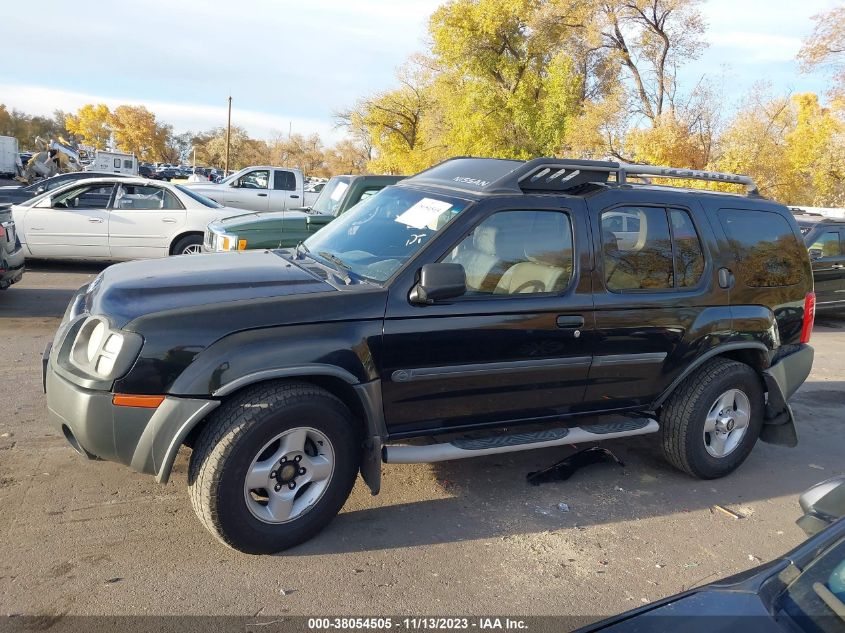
<point x="11" y="268"/>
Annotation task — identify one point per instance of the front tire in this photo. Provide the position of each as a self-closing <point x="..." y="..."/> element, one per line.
<point x="274" y="466"/>
<point x="710" y="424"/>
<point x="188" y="245"/>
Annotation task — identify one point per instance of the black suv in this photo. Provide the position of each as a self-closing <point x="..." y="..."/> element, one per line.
<point x="825" y="239"/>
<point x="481" y="295"/>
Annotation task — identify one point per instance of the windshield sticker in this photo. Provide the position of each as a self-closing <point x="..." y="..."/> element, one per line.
<point x="424" y="214"/>
<point x="338" y="191"/>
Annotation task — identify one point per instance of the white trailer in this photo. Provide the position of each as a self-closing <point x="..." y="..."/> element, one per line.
<point x="114" y="162"/>
<point x="10" y="160"/>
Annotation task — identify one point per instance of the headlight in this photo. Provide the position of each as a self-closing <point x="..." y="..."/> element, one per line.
<point x="100" y="351"/>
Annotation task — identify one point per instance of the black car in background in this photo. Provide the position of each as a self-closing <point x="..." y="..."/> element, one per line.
<point x="825" y="240"/>
<point x="168" y="174"/>
<point x="803" y="591"/>
<point x="15" y="194"/>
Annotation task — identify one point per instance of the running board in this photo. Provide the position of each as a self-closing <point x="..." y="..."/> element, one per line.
<point x="493" y="445"/>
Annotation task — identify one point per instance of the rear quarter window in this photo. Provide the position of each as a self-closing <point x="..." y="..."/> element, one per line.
<point x="765" y="245"/>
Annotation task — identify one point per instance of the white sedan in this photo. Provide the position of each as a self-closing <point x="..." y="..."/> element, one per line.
<point x="116" y="219"/>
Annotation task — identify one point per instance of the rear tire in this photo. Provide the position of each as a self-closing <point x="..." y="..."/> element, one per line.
<point x="709" y="425"/>
<point x="188" y="245"/>
<point x="251" y="440"/>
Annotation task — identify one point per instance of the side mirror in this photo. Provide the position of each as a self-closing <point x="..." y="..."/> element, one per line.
<point x="439" y="281"/>
<point x="822" y="504"/>
<point x="40" y="189"/>
<point x="816" y="253"/>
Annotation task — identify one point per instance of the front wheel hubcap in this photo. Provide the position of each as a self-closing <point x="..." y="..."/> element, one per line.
<point x="193" y="249"/>
<point x="289" y="475"/>
<point x="727" y="423"/>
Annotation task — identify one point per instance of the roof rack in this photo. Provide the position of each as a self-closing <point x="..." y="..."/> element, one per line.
<point x="504" y="176"/>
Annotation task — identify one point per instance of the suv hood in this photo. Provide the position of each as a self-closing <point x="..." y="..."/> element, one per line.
<point x="124" y="292"/>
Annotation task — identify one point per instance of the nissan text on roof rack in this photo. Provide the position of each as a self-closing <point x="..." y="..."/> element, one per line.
<point x="492" y="305"/>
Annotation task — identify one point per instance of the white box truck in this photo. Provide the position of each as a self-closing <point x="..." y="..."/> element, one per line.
<point x="114" y="162"/>
<point x="9" y="156"/>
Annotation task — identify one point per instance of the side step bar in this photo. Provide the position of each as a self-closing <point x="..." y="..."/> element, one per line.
<point x="476" y="447"/>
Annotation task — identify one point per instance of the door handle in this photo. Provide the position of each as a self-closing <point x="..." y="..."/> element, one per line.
<point x="168" y="220"/>
<point x="95" y="220"/>
<point x="293" y="195"/>
<point x="838" y="266"/>
<point x="262" y="195"/>
<point x="726" y="278"/>
<point x="564" y="321"/>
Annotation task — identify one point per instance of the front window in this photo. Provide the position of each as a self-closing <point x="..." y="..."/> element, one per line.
<point x="206" y="202"/>
<point x="95" y="196"/>
<point x="329" y="199"/>
<point x="258" y="179"/>
<point x="375" y="238"/>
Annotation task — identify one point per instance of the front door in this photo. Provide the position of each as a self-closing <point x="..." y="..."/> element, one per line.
<point x="516" y="347"/>
<point x="250" y="191"/>
<point x="74" y="225"/>
<point x="143" y="220"/>
<point x="828" y="266"/>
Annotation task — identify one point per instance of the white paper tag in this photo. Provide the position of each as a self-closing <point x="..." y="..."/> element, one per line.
<point x="424" y="213"/>
<point x="338" y="191"/>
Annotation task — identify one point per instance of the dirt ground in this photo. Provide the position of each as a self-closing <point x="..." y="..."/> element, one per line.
<point x="458" y="538"/>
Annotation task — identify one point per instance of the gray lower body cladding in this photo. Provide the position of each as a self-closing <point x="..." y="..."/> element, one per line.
<point x="145" y="439"/>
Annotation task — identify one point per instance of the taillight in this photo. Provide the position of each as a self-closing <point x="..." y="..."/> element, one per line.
<point x="2" y="232"/>
<point x="809" y="317"/>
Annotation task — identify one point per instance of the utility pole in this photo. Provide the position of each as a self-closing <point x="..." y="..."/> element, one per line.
<point x="228" y="134"/>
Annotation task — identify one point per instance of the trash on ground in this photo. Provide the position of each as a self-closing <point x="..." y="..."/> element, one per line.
<point x="691" y="565"/>
<point x="816" y="466"/>
<point x="565" y="468"/>
<point x="563" y="507"/>
<point x="752" y="557"/>
<point x="726" y="511"/>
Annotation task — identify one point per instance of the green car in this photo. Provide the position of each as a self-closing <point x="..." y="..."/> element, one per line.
<point x="285" y="229"/>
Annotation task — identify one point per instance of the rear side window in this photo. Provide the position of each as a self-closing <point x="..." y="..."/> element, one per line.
<point x="284" y="181"/>
<point x="763" y="242"/>
<point x="650" y="248"/>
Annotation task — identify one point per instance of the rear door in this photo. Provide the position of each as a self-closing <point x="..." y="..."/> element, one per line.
<point x="828" y="265"/>
<point x="516" y="347"/>
<point x="75" y="224"/>
<point x="653" y="283"/>
<point x="285" y="194"/>
<point x="143" y="220"/>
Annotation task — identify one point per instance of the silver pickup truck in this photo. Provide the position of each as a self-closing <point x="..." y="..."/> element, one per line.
<point x="260" y="188"/>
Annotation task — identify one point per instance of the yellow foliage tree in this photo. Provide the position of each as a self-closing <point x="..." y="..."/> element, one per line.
<point x="136" y="131"/>
<point x="91" y="125"/>
<point x="826" y="46"/>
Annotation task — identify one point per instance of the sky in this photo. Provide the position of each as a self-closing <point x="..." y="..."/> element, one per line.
<point x="290" y="65"/>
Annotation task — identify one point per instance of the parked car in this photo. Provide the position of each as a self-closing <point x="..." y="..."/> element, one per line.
<point x="260" y="189"/>
<point x="11" y="253"/>
<point x="283" y="229"/>
<point x="802" y="591"/>
<point x="15" y="194"/>
<point x="825" y="240"/>
<point x="115" y="218"/>
<point x="168" y="174"/>
<point x="478" y="296"/>
<point x="145" y="170"/>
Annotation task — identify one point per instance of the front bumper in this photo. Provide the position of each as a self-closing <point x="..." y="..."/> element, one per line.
<point x="147" y="440"/>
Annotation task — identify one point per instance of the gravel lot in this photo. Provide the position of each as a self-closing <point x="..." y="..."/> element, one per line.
<point x="460" y="538"/>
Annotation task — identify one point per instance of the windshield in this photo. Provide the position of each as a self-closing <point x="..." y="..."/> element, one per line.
<point x="816" y="599"/>
<point x="206" y="202"/>
<point x="376" y="237"/>
<point x="330" y="197"/>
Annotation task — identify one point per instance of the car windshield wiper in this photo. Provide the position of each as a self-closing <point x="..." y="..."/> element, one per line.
<point x="301" y="250"/>
<point x="341" y="266"/>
